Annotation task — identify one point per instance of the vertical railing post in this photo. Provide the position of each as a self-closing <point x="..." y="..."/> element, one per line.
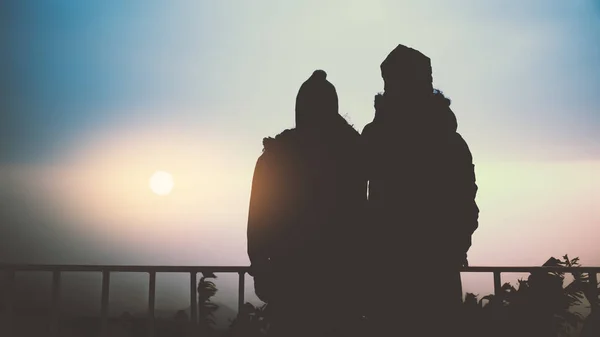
<point x="104" y="305"/>
<point x="151" y="302"/>
<point x="241" y="288"/>
<point x="594" y="302"/>
<point x="193" y="299"/>
<point x="8" y="314"/>
<point x="54" y="323"/>
<point x="497" y="283"/>
<point x="497" y="293"/>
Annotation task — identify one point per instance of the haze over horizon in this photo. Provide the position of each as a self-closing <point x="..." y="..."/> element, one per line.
<point x="102" y="94"/>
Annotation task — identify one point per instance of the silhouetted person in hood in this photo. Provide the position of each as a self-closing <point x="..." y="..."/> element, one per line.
<point x="422" y="201"/>
<point x="307" y="200"/>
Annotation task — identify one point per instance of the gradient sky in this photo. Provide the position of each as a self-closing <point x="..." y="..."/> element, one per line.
<point x="97" y="95"/>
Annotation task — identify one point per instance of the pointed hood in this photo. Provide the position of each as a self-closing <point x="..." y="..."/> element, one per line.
<point x="316" y="102"/>
<point x="405" y="67"/>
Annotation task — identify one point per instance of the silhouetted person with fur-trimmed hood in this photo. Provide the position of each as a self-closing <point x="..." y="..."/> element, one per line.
<point x="422" y="201"/>
<point x="306" y="206"/>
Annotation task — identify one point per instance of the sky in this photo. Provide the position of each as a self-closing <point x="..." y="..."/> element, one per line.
<point x="98" y="95"/>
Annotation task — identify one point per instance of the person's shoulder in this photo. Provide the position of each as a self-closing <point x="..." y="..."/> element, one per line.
<point x="282" y="140"/>
<point x="349" y="132"/>
<point x="459" y="147"/>
<point x="458" y="140"/>
<point x="342" y="127"/>
<point x="276" y="149"/>
<point x="368" y="128"/>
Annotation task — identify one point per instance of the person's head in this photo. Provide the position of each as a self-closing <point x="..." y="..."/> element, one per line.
<point x="407" y="73"/>
<point x="316" y="102"/>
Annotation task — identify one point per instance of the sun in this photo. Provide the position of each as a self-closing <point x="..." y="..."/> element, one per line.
<point x="161" y="183"/>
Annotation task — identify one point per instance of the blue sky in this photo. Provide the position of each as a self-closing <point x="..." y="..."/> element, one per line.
<point x="99" y="94"/>
<point x="522" y="71"/>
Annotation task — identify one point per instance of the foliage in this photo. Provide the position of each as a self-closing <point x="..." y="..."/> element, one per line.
<point x="250" y="322"/>
<point x="538" y="306"/>
<point x="206" y="308"/>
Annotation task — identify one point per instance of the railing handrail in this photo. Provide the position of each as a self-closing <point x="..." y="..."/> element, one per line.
<point x="245" y="269"/>
<point x="528" y="269"/>
<point x="123" y="268"/>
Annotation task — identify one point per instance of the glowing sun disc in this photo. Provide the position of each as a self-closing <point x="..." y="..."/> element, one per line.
<point x="161" y="183"/>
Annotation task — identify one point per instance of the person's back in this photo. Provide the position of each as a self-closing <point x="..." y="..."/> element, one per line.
<point x="421" y="197"/>
<point x="421" y="178"/>
<point x="307" y="199"/>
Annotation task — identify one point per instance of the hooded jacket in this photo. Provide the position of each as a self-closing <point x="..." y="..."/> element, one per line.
<point x="308" y="191"/>
<point x="421" y="175"/>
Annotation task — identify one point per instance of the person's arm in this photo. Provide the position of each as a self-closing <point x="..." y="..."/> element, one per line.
<point x="260" y="214"/>
<point x="465" y="213"/>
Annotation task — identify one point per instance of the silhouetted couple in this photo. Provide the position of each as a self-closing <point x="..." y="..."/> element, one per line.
<point x="353" y="234"/>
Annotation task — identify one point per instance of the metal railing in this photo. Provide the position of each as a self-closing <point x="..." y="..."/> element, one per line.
<point x="106" y="271"/>
<point x="193" y="271"/>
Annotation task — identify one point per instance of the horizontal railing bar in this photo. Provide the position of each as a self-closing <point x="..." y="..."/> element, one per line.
<point x="239" y="269"/>
<point x="123" y="268"/>
<point x="530" y="269"/>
